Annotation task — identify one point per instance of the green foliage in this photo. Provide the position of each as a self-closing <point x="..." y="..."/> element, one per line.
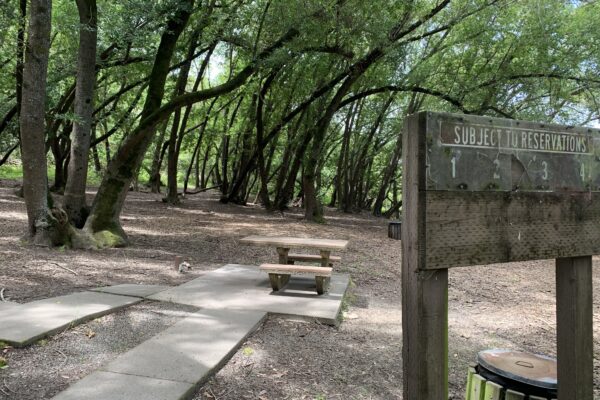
<point x="536" y="60"/>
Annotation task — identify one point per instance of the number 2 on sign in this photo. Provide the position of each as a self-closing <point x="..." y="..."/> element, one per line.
<point x="453" y="162"/>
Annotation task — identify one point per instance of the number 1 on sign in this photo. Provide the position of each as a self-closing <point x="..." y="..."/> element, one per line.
<point x="453" y="162"/>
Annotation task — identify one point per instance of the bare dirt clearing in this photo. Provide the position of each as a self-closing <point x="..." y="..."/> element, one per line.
<point x="508" y="305"/>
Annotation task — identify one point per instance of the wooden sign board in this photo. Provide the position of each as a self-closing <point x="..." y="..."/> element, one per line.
<point x="482" y="190"/>
<point x="513" y="190"/>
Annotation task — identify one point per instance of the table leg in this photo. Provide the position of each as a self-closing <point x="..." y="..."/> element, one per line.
<point x="325" y="258"/>
<point x="278" y="281"/>
<point x="283" y="254"/>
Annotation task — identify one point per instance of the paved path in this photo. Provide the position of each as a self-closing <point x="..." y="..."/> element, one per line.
<point x="128" y="289"/>
<point x="172" y="364"/>
<point x="23" y="324"/>
<point x="244" y="287"/>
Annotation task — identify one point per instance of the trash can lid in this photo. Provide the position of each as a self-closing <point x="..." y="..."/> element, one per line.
<point x="531" y="369"/>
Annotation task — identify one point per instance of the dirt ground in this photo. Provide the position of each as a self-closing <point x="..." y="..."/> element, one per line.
<point x="505" y="305"/>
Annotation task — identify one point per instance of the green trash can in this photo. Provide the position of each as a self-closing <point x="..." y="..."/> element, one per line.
<point x="512" y="375"/>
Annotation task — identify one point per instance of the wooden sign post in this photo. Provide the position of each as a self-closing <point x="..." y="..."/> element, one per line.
<point x="483" y="190"/>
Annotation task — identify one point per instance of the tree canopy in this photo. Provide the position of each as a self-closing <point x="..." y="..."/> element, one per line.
<point x="295" y="102"/>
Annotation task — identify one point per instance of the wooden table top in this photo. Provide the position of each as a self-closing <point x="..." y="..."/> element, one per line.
<point x="289" y="242"/>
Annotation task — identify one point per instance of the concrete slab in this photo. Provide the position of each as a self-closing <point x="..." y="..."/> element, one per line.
<point x="8" y="305"/>
<point x="23" y="325"/>
<point x="243" y="287"/>
<point x="103" y="385"/>
<point x="172" y="364"/>
<point x="130" y="289"/>
<point x="191" y="350"/>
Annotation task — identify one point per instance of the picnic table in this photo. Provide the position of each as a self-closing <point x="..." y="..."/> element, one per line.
<point x="283" y="244"/>
<point x="279" y="274"/>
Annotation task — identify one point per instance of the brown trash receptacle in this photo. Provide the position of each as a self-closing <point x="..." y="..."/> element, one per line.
<point x="395" y="229"/>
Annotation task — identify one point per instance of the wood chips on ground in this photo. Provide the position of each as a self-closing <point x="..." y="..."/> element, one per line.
<point x="501" y="306"/>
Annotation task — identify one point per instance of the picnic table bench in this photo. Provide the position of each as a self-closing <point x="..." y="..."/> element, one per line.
<point x="279" y="274"/>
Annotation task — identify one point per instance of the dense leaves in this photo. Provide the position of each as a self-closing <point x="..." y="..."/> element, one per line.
<point x="279" y="102"/>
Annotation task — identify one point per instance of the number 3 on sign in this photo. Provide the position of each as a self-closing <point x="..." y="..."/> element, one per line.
<point x="545" y="166"/>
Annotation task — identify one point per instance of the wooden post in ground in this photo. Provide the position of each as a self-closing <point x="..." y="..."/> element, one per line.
<point x="424" y="293"/>
<point x="574" y="327"/>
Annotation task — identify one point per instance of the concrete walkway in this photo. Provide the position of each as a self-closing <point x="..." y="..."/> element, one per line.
<point x="172" y="364"/>
<point x="23" y="324"/>
<point x="244" y="287"/>
<point x="134" y="290"/>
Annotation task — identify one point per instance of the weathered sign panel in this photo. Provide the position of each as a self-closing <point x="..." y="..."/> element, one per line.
<point x="484" y="154"/>
<point x="498" y="190"/>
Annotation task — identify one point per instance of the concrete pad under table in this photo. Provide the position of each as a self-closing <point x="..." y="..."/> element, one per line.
<point x="242" y="287"/>
<point x="26" y="323"/>
<point x="173" y="363"/>
<point x="133" y="290"/>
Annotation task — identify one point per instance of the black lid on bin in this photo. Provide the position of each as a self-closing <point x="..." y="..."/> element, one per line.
<point x="531" y="369"/>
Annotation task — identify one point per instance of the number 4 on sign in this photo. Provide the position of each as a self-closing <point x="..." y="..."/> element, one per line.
<point x="582" y="172"/>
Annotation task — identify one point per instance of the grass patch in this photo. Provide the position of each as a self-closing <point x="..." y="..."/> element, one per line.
<point x="11" y="171"/>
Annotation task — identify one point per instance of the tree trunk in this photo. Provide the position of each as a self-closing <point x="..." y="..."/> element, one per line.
<point x="41" y="223"/>
<point x="260" y="127"/>
<point x="95" y="155"/>
<point x="20" y="52"/>
<point x="159" y="149"/>
<point x="74" y="200"/>
<point x="313" y="210"/>
<point x="285" y="196"/>
<point x="388" y="174"/>
<point x="173" y="153"/>
<point x="104" y="217"/>
<point x="195" y="159"/>
<point x="224" y="162"/>
<point x="60" y="152"/>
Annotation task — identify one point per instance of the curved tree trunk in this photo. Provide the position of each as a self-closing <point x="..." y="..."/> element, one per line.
<point x="103" y="221"/>
<point x="74" y="200"/>
<point x="108" y="203"/>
